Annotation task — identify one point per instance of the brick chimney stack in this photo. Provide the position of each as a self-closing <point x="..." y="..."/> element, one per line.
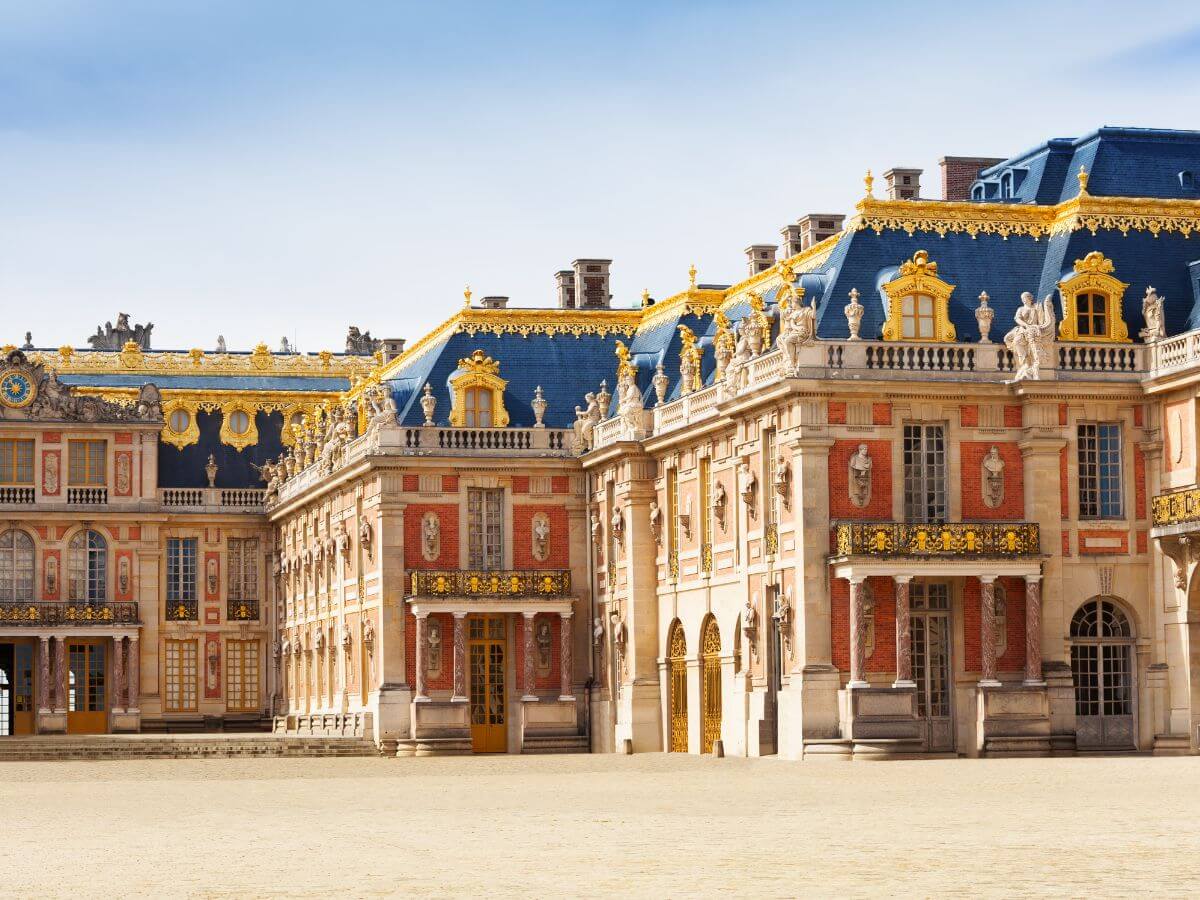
<point x="760" y="257"/>
<point x="495" y="302"/>
<point x="903" y="184"/>
<point x="591" y="283"/>
<point x="565" y="282"/>
<point x="392" y="347"/>
<point x="960" y="172"/>
<point x="815" y="227"/>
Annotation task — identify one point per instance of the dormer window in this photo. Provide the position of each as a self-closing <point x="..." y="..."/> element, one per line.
<point x="1187" y="180"/>
<point x="1006" y="186"/>
<point x="477" y="393"/>
<point x="918" y="303"/>
<point x="1091" y="302"/>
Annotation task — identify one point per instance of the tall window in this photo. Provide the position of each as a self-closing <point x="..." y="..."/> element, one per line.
<point x="179" y="691"/>
<point x="1091" y="315"/>
<point x="16" y="566"/>
<point x="241" y="675"/>
<point x="485" y="521"/>
<point x="770" y="495"/>
<point x="243" y="577"/>
<point x="87" y="462"/>
<point x="1100" y="470"/>
<point x="917" y="317"/>
<point x="478" y="403"/>
<point x="87" y="567"/>
<point x="706" y="518"/>
<point x="16" y="461"/>
<point x="924" y="473"/>
<point x="181" y="578"/>
<point x="672" y="512"/>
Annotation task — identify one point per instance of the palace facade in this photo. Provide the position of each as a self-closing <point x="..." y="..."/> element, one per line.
<point x="923" y="483"/>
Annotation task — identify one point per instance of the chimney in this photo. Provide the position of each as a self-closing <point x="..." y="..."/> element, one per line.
<point x="591" y="283"/>
<point x="903" y="184"/>
<point x="391" y="347"/>
<point x="495" y="303"/>
<point x="791" y="240"/>
<point x="960" y="172"/>
<point x="760" y="257"/>
<point x="565" y="280"/>
<point x="815" y="227"/>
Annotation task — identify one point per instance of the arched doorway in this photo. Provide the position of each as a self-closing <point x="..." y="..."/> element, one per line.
<point x="677" y="688"/>
<point x="710" y="684"/>
<point x="1102" y="670"/>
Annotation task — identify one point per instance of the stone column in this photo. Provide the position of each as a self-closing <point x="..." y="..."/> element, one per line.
<point x="60" y="674"/>
<point x="460" y="659"/>
<point x="43" y="690"/>
<point x="987" y="630"/>
<point x="1033" y="630"/>
<point x="118" y="694"/>
<point x="903" y="634"/>
<point x="858" y="634"/>
<point x="421" y="661"/>
<point x="564" y="655"/>
<point x="133" y="668"/>
<point x="527" y="643"/>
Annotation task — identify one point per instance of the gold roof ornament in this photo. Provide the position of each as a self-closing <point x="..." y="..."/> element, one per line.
<point x="260" y="357"/>
<point x="624" y="365"/>
<point x="645" y="297"/>
<point x="467" y="297"/>
<point x="869" y="183"/>
<point x="1095" y="263"/>
<point x="692" y="277"/>
<point x="919" y="265"/>
<point x="480" y="363"/>
<point x="1083" y="180"/>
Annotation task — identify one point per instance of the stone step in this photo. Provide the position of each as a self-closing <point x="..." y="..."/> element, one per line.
<point x="68" y="747"/>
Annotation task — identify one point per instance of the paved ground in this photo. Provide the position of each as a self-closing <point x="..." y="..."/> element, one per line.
<point x="660" y="826"/>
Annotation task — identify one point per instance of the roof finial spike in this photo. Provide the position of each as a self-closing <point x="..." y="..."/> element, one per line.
<point x="467" y="297"/>
<point x="645" y="297"/>
<point x="692" y="276"/>
<point x="869" y="183"/>
<point x="1083" y="179"/>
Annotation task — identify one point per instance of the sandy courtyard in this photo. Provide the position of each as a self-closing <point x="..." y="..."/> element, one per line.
<point x="645" y="825"/>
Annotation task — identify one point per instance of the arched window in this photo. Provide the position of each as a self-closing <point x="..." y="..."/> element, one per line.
<point x="478" y="407"/>
<point x="87" y="567"/>
<point x="1100" y="619"/>
<point x="16" y="565"/>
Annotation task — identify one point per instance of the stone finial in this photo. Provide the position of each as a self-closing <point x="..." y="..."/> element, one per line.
<point x="983" y="316"/>
<point x="661" y="382"/>
<point x="539" y="405"/>
<point x="854" y="314"/>
<point x="428" y="404"/>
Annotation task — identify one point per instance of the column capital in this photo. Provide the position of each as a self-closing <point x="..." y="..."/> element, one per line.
<point x="1033" y="579"/>
<point x="459" y="614"/>
<point x="856" y="579"/>
<point x="988" y="579"/>
<point x="566" y="614"/>
<point x="902" y="579"/>
<point x="528" y="613"/>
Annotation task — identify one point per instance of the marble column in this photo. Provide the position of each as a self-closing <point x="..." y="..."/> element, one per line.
<point x="903" y="634"/>
<point x="1033" y="630"/>
<point x="43" y="688"/>
<point x="527" y="644"/>
<point x="460" y="658"/>
<point x="421" y="656"/>
<point x="987" y="630"/>
<point x="118" y="693"/>
<point x="133" y="662"/>
<point x="858" y="634"/>
<point x="564" y="655"/>
<point x="60" y="675"/>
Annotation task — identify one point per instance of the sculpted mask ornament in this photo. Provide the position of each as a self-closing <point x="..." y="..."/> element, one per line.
<point x="1032" y="340"/>
<point x="993" y="479"/>
<point x="431" y="537"/>
<point x="1152" y="313"/>
<point x="860" y="477"/>
<point x="540" y="534"/>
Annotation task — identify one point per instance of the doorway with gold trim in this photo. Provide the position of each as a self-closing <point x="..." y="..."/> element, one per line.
<point x="87" y="684"/>
<point x="487" y="658"/>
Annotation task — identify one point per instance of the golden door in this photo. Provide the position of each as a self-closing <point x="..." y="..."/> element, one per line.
<point x="486" y="647"/>
<point x="677" y="686"/>
<point x="710" y="682"/>
<point x="87" y="703"/>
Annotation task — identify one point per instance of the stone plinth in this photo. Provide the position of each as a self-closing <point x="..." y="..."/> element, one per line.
<point x="881" y="717"/>
<point x="1013" y="720"/>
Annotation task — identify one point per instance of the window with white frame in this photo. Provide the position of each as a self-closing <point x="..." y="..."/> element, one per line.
<point x="485" y="535"/>
<point x="1100" y="494"/>
<point x="924" y="473"/>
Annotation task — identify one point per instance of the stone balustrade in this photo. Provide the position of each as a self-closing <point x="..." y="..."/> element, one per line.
<point x="212" y="499"/>
<point x="17" y="496"/>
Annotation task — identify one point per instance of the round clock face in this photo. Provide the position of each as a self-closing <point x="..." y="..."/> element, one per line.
<point x="16" y="390"/>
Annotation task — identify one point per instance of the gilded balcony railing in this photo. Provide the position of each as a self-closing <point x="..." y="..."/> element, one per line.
<point x="499" y="583"/>
<point x="960" y="539"/>
<point x="181" y="611"/>
<point x="36" y="613"/>
<point x="242" y="610"/>
<point x="1176" y="507"/>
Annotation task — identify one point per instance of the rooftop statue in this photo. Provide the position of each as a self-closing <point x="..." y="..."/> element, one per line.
<point x="1032" y="340"/>
<point x="360" y="343"/>
<point x="112" y="337"/>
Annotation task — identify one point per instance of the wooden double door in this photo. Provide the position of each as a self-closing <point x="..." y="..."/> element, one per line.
<point x="487" y="674"/>
<point x="87" y="687"/>
<point x="16" y="688"/>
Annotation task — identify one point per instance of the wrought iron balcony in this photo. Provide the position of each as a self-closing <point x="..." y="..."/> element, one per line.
<point x="1176" y="507"/>
<point x="960" y="539"/>
<point x="40" y="613"/>
<point x="241" y="610"/>
<point x="181" y="611"/>
<point x="499" y="583"/>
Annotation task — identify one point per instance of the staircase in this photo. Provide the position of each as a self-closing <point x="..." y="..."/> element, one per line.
<point x="140" y="746"/>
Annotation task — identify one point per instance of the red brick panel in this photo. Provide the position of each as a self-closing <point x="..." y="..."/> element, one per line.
<point x="449" y="484"/>
<point x="1138" y="416"/>
<point x="1142" y="542"/>
<point x="1064" y="501"/>
<point x="1012" y="417"/>
<point x="881" y="413"/>
<point x="560" y="484"/>
<point x="411" y="484"/>
<point x="522" y="535"/>
<point x="1066" y="542"/>
<point x="968" y="416"/>
<point x="1113" y="542"/>
<point x="1012" y="506"/>
<point x="837" y="412"/>
<point x="520" y="484"/>
<point x="880" y="505"/>
<point x="448" y="515"/>
<point x="1139" y="483"/>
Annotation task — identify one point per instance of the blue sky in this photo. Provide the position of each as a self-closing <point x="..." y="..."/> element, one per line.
<point x="270" y="168"/>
